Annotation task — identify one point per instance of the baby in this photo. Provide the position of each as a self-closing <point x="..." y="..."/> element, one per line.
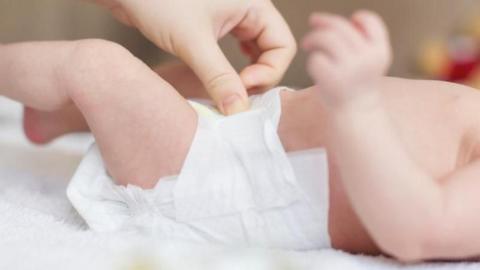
<point x="403" y="155"/>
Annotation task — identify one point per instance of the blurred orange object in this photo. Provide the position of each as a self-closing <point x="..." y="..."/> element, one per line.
<point x="434" y="60"/>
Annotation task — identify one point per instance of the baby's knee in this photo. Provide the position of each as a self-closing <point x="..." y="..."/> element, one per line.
<point x="97" y="53"/>
<point x="93" y="62"/>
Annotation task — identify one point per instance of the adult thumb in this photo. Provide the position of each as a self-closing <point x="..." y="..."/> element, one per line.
<point x="220" y="79"/>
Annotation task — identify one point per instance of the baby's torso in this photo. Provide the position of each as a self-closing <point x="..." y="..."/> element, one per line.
<point x="439" y="125"/>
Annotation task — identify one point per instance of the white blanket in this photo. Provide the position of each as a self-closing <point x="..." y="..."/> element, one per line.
<point x="40" y="230"/>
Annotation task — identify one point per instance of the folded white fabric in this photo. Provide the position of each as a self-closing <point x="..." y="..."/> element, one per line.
<point x="237" y="187"/>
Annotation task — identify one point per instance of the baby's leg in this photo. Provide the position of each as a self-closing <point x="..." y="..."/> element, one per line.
<point x="42" y="127"/>
<point x="143" y="127"/>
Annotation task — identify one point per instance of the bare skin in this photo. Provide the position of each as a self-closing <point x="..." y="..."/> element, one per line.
<point x="260" y="29"/>
<point x="42" y="127"/>
<point x="436" y="123"/>
<point x="103" y="80"/>
<point x="257" y="25"/>
<point x="413" y="185"/>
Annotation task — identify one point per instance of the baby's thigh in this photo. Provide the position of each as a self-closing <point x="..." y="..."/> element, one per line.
<point x="142" y="126"/>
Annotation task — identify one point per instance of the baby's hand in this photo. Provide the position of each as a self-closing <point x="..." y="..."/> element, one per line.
<point x="347" y="58"/>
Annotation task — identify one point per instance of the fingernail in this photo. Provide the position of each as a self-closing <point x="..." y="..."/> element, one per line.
<point x="234" y="104"/>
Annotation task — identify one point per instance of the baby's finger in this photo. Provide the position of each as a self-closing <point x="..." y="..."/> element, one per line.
<point x="317" y="63"/>
<point x="328" y="42"/>
<point x="343" y="26"/>
<point x="372" y="26"/>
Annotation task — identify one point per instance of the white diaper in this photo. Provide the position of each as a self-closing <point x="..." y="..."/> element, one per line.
<point x="237" y="187"/>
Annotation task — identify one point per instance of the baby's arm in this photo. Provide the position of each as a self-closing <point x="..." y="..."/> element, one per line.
<point x="407" y="212"/>
<point x="144" y="128"/>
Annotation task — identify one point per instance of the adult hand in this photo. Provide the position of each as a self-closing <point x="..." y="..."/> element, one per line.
<point x="190" y="30"/>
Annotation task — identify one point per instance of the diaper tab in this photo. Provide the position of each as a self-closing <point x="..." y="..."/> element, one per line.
<point x="236" y="164"/>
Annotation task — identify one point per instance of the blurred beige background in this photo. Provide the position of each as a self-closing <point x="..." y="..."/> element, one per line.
<point x="411" y="22"/>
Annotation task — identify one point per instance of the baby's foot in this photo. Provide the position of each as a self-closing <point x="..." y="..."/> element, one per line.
<point x="347" y="58"/>
<point x="43" y="127"/>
